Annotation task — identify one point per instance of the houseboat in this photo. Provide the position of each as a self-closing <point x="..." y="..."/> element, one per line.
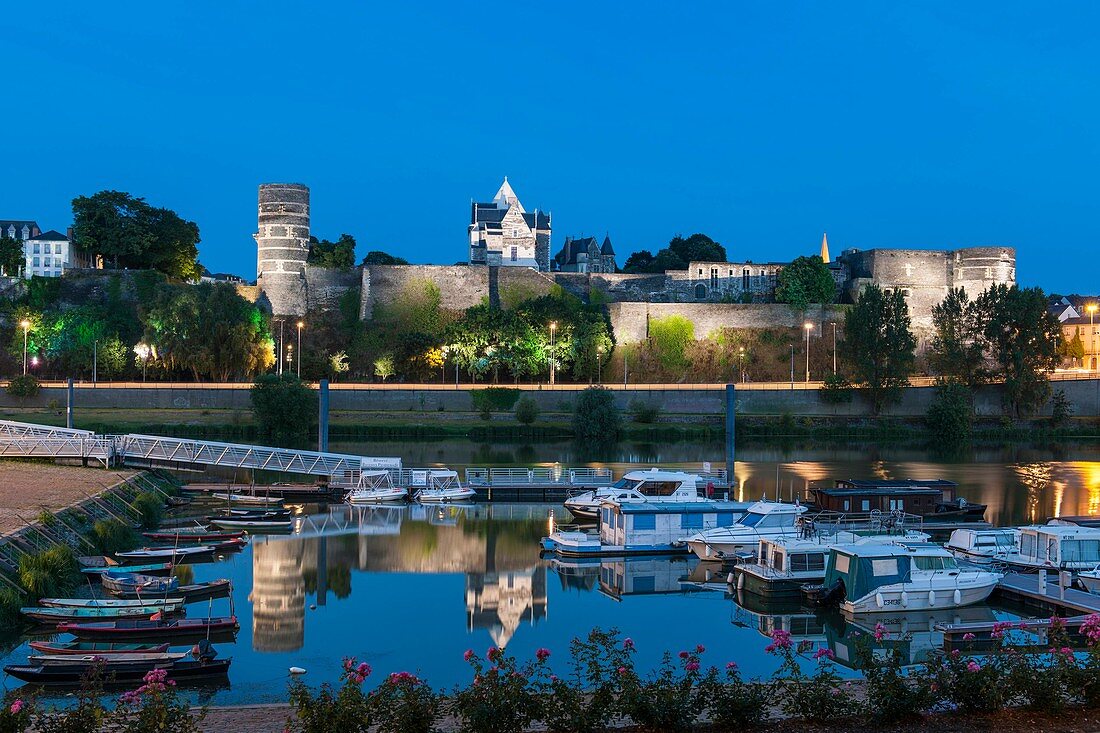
<point x="643" y="527"/>
<point x="763" y="519"/>
<point x="648" y="485"/>
<point x="877" y="578"/>
<point x="934" y="498"/>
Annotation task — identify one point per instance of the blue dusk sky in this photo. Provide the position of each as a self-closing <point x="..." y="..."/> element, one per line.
<point x="930" y="125"/>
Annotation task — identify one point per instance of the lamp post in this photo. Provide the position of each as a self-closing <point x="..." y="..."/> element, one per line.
<point x="289" y="356"/>
<point x="834" y="349"/>
<point x="143" y="351"/>
<point x="26" y="327"/>
<point x="553" y="328"/>
<point x="95" y="362"/>
<point x="599" y="365"/>
<point x="808" y="327"/>
<point x="741" y="364"/>
<point x="300" y="324"/>
<point x="1091" y="308"/>
<point x="280" y="359"/>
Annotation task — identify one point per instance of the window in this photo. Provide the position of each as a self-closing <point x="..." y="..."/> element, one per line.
<point x="700" y="272"/>
<point x="777" y="561"/>
<point x="714" y="277"/>
<point x="515" y="253"/>
<point x="515" y="233"/>
<point x="887" y="566"/>
<point x="807" y="562"/>
<point x="57" y="262"/>
<point x="659" y="488"/>
<point x="865" y="505"/>
<point x="745" y="279"/>
<point x="691" y="521"/>
<point x="36" y="262"/>
<point x="725" y="519"/>
<point x="700" y="291"/>
<point x="897" y="505"/>
<point x="842" y="563"/>
<point x="36" y="247"/>
<point x="645" y="521"/>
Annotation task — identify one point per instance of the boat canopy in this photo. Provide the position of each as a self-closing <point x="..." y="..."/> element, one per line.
<point x="863" y="568"/>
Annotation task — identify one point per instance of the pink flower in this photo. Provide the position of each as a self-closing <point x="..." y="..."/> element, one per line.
<point x="999" y="629"/>
<point x="493" y="654"/>
<point x="542" y="654"/>
<point x="880" y="632"/>
<point x="468" y="655"/>
<point x="628" y="643"/>
<point x="780" y="640"/>
<point x="973" y="666"/>
<point x="824" y="653"/>
<point x="16" y="707"/>
<point x="968" y="636"/>
<point x="363" y="670"/>
<point x="731" y="666"/>
<point x="553" y="678"/>
<point x="955" y="652"/>
<point x="684" y="655"/>
<point x="699" y="649"/>
<point x="1057" y="624"/>
<point x="623" y="671"/>
<point x="692" y="666"/>
<point x="1090" y="628"/>
<point x="348" y="664"/>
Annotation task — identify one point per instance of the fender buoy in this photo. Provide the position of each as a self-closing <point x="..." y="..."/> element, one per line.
<point x="958" y="596"/>
<point x="740" y="581"/>
<point x="931" y="598"/>
<point x="878" y="599"/>
<point x="904" y="599"/>
<point x="297" y="670"/>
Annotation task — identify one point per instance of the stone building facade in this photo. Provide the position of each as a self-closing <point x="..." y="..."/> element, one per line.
<point x="282" y="247"/>
<point x="503" y="228"/>
<point x="586" y="254"/>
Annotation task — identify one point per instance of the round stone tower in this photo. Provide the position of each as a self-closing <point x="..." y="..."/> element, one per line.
<point x="282" y="246"/>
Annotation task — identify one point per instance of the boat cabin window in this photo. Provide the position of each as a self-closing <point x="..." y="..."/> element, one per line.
<point x="761" y="521"/>
<point x="992" y="540"/>
<point x="884" y="566"/>
<point x="659" y="488"/>
<point x="865" y="505"/>
<point x="645" y="521"/>
<point x="935" y="563"/>
<point x="1081" y="551"/>
<point x="807" y="561"/>
<point x="777" y="561"/>
<point x="897" y="505"/>
<point x="625" y="483"/>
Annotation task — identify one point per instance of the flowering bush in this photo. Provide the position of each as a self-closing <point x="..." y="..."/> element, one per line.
<point x="502" y="697"/>
<point x="589" y="699"/>
<point x="734" y="703"/>
<point x="345" y="710"/>
<point x="404" y="703"/>
<point x="88" y="713"/>
<point x="671" y="699"/>
<point x="15" y="716"/>
<point x="819" y="697"/>
<point x="155" y="707"/>
<point x="1049" y="681"/>
<point x="973" y="686"/>
<point x="891" y="695"/>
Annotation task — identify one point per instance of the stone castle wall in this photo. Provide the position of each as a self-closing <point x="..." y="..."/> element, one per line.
<point x="630" y="321"/>
<point x="325" y="287"/>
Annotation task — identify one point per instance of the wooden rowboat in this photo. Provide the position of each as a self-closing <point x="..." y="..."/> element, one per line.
<point x="189" y="593"/>
<point x="81" y="648"/>
<point x="72" y="674"/>
<point x="160" y="629"/>
<point x="106" y="602"/>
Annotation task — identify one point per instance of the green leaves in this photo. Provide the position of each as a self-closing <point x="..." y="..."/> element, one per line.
<point x="805" y="281"/>
<point x="878" y="344"/>
<point x="284" y="407"/>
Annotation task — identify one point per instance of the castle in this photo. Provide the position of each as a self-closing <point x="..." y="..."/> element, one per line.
<point x="509" y="249"/>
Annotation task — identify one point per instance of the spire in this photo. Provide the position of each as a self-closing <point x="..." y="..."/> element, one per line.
<point x="507" y="197"/>
<point x="825" y="249"/>
<point x="607" y="249"/>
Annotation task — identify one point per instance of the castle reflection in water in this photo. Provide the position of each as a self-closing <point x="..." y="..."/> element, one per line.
<point x="505" y="584"/>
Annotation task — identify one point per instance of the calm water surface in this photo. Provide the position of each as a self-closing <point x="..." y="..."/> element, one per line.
<point x="411" y="588"/>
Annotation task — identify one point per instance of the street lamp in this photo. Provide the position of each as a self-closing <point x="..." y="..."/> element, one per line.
<point x="809" y="327"/>
<point x="1091" y="308"/>
<point x="280" y="360"/>
<point x="26" y="327"/>
<point x="741" y="364"/>
<point x="553" y="328"/>
<point x="300" y="324"/>
<point x="289" y="356"/>
<point x="599" y="365"/>
<point x="834" y="349"/>
<point x="142" y="350"/>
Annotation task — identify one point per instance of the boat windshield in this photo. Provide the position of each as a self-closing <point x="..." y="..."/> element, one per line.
<point x="625" y="483"/>
<point x="935" y="563"/>
<point x="751" y="519"/>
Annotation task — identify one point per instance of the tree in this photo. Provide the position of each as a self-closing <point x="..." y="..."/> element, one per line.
<point x="1072" y="350"/>
<point x="338" y="364"/>
<point x="11" y="255"/>
<point x="383" y="367"/>
<point x="375" y="257"/>
<point x="677" y="255"/>
<point x="806" y="280"/>
<point x="338" y="255"/>
<point x="957" y="351"/>
<point x="129" y="233"/>
<point x="596" y="419"/>
<point x="527" y="410"/>
<point x="878" y="344"/>
<point x="951" y="414"/>
<point x="283" y="407"/>
<point x="640" y="261"/>
<point x="1022" y="338"/>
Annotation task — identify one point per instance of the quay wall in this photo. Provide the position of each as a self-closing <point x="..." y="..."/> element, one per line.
<point x="1083" y="395"/>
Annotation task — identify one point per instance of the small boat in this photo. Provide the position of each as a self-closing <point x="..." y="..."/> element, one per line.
<point x="899" y="576"/>
<point x="443" y="487"/>
<point x="983" y="546"/>
<point x="253" y="524"/>
<point x="73" y="674"/>
<point x="117" y="582"/>
<point x="763" y="519"/>
<point x="652" y="485"/>
<point x="934" y="499"/>
<point x="173" y="553"/>
<point x="1053" y="546"/>
<point x="96" y="566"/>
<point x="150" y="658"/>
<point x="1089" y="580"/>
<point x="177" y="501"/>
<point x="105" y="602"/>
<point x="54" y="615"/>
<point x="80" y="648"/>
<point x="202" y="535"/>
<point x="145" y="629"/>
<point x="189" y="593"/>
<point x="250" y="499"/>
<point x="375" y="487"/>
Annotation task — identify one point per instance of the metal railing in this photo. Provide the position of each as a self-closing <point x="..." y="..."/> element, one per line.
<point x="509" y="477"/>
<point x="100" y="449"/>
<point x="11" y="429"/>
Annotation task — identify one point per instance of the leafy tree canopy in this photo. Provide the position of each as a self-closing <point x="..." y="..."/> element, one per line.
<point x="956" y="353"/>
<point x="677" y="255"/>
<point x="878" y="344"/>
<point x="806" y="280"/>
<point x="376" y="257"/>
<point x="11" y="255"/>
<point x="338" y="255"/>
<point x="284" y="407"/>
<point x="129" y="233"/>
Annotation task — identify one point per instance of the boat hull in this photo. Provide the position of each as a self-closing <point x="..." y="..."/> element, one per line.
<point x="446" y="497"/>
<point x="81" y="648"/>
<point x="187" y="628"/>
<point x="893" y="600"/>
<point x="189" y="593"/>
<point x="63" y="675"/>
<point x="381" y="497"/>
<point x="785" y="589"/>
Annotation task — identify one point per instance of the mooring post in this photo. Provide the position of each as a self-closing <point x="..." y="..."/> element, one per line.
<point x="69" y="406"/>
<point x="322" y="416"/>
<point x="730" y="405"/>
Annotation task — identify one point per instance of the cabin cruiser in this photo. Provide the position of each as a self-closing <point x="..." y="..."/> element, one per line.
<point x="983" y="546"/>
<point x="784" y="564"/>
<point x="443" y="487"/>
<point x="763" y="519"/>
<point x="875" y="578"/>
<point x="934" y="499"/>
<point x="1037" y="547"/>
<point x="375" y="487"/>
<point x="648" y="485"/>
<point x="1090" y="580"/>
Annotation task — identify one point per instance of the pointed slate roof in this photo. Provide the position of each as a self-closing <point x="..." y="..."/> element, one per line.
<point x="506" y="197"/>
<point x="825" y="249"/>
<point x="606" y="248"/>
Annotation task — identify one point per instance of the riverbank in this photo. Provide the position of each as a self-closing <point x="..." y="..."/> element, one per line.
<point x="29" y="488"/>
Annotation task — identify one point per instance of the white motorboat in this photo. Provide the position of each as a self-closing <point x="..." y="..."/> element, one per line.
<point x="375" y="487"/>
<point x="763" y="519"/>
<point x="250" y="499"/>
<point x="166" y="553"/>
<point x="253" y="524"/>
<point x="443" y="487"/>
<point x="1053" y="546"/>
<point x="983" y="546"/>
<point x="648" y="485"/>
<point x="874" y="578"/>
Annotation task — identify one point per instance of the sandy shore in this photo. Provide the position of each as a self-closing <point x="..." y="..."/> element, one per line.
<point x="28" y="488"/>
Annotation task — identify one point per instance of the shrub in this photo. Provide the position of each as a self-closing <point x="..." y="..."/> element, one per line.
<point x="345" y="709"/>
<point x="111" y="536"/>
<point x="150" y="509"/>
<point x="595" y="416"/>
<point x="892" y="696"/>
<point x="818" y="698"/>
<point x="672" y="699"/>
<point x="527" y="410"/>
<point x="501" y="698"/>
<point x="1061" y="409"/>
<point x="23" y="386"/>
<point x="588" y="700"/>
<point x="735" y="704"/>
<point x="951" y="416"/>
<point x="404" y="703"/>
<point x="155" y="707"/>
<point x="669" y="338"/>
<point x="836" y="390"/>
<point x="15" y="715"/>
<point x="643" y="412"/>
<point x="52" y="572"/>
<point x="88" y="713"/>
<point x="494" y="399"/>
<point x="283" y="407"/>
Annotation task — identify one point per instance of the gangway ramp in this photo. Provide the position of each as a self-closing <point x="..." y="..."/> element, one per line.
<point x="157" y="451"/>
<point x="9" y="429"/>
